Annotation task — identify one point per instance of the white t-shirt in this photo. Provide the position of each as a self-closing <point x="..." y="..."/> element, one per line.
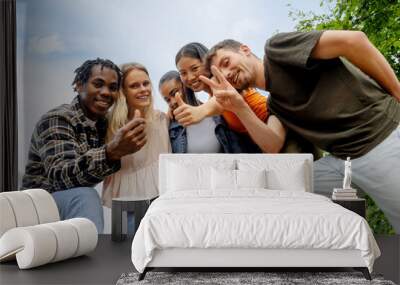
<point x="201" y="137"/>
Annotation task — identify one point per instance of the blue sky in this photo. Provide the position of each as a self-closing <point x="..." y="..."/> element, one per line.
<point x="56" y="36"/>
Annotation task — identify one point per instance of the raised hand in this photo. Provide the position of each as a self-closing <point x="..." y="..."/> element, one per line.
<point x="186" y="114"/>
<point x="128" y="139"/>
<point x="226" y="95"/>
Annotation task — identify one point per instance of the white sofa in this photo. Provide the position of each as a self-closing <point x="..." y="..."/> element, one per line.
<point x="31" y="231"/>
<point x="247" y="210"/>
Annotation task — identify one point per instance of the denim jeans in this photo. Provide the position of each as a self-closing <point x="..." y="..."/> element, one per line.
<point x="134" y="218"/>
<point x="377" y="173"/>
<point x="131" y="225"/>
<point x="81" y="202"/>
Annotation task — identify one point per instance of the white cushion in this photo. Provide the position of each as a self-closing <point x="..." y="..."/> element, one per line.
<point x="67" y="239"/>
<point x="45" y="205"/>
<point x="251" y="178"/>
<point x="31" y="246"/>
<point x="290" y="175"/>
<point x="40" y="244"/>
<point x="27" y="208"/>
<point x="87" y="235"/>
<point x="170" y="180"/>
<point x="181" y="177"/>
<point x="223" y="179"/>
<point x="226" y="179"/>
<point x="34" y="244"/>
<point x="7" y="220"/>
<point x="293" y="180"/>
<point x="187" y="175"/>
<point x="23" y="208"/>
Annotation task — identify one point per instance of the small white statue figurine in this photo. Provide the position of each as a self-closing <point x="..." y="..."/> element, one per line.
<point x="347" y="174"/>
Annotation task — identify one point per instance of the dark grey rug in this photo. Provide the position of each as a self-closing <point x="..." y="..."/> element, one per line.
<point x="231" y="278"/>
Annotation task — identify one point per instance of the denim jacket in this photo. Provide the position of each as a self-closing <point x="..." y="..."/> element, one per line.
<point x="228" y="139"/>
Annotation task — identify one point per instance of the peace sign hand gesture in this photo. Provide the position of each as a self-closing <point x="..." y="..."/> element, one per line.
<point x="225" y="94"/>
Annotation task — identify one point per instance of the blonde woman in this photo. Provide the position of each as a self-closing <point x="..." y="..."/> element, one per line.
<point x="138" y="177"/>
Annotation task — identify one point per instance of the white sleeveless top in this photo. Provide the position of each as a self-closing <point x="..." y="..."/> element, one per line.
<point x="138" y="176"/>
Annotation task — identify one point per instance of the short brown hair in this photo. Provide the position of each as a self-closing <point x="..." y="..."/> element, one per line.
<point x="228" y="44"/>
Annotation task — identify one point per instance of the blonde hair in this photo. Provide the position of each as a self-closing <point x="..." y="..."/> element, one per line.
<point x="118" y="116"/>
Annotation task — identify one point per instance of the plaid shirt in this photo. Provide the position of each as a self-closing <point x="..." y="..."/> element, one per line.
<point x="67" y="150"/>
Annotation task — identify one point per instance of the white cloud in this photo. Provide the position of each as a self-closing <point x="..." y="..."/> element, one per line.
<point x="46" y="44"/>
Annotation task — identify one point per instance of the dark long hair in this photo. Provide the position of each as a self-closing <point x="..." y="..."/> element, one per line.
<point x="196" y="51"/>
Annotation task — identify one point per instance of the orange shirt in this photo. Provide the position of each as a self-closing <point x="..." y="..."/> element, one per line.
<point x="256" y="101"/>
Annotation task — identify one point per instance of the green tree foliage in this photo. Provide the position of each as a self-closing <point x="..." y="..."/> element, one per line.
<point x="376" y="219"/>
<point x="380" y="21"/>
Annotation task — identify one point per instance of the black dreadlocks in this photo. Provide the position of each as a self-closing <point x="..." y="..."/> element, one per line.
<point x="84" y="71"/>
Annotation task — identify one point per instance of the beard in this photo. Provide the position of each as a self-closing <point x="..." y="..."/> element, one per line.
<point x="245" y="84"/>
<point x="242" y="81"/>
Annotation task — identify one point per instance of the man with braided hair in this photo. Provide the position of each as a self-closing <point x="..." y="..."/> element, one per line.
<point x="68" y="155"/>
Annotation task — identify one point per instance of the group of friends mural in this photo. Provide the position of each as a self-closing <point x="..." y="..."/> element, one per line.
<point x="329" y="91"/>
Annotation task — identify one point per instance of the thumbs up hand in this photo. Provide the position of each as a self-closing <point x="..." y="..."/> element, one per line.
<point x="178" y="99"/>
<point x="186" y="114"/>
<point x="137" y="114"/>
<point x="128" y="139"/>
<point x="174" y="103"/>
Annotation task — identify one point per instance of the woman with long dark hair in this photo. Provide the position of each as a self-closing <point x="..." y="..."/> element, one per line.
<point x="189" y="62"/>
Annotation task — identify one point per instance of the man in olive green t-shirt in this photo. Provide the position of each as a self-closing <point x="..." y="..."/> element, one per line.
<point x="335" y="89"/>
